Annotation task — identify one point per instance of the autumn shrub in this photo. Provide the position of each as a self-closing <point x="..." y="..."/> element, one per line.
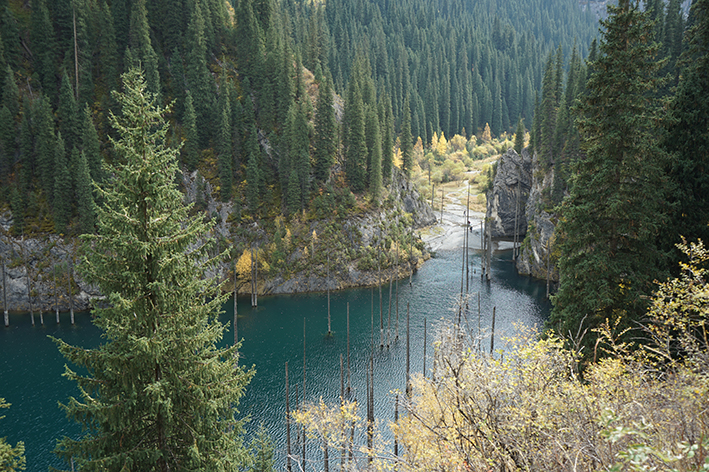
<point x="527" y="407"/>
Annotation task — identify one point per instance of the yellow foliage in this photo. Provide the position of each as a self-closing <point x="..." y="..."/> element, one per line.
<point x="487" y="135"/>
<point x="442" y="146"/>
<point x="527" y="408"/>
<point x="434" y="141"/>
<point x="243" y="265"/>
<point x="458" y="143"/>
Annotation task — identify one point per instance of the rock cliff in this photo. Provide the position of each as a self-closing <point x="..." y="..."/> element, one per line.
<point x="31" y="264"/>
<point x="507" y="199"/>
<point x="536" y="256"/>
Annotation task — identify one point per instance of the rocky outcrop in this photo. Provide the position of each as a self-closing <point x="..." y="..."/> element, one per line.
<point x="536" y="256"/>
<point x="408" y="195"/>
<point x="39" y="274"/>
<point x="507" y="199"/>
<point x="32" y="263"/>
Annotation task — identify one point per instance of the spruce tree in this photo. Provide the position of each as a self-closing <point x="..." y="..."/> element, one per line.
<point x="406" y="144"/>
<point x="224" y="154"/>
<point x="68" y="114"/>
<point x="85" y="206"/>
<point x="687" y="137"/>
<point x="8" y="146"/>
<point x="158" y="394"/>
<point x="17" y="205"/>
<point x="374" y="148"/>
<point x="615" y="210"/>
<point x="325" y="139"/>
<point x="190" y="152"/>
<point x="90" y="145"/>
<point x="142" y="47"/>
<point x="387" y="142"/>
<point x="375" y="160"/>
<point x="253" y="172"/>
<point x="12" y="459"/>
<point x="108" y="48"/>
<point x="356" y="149"/>
<point x="199" y="81"/>
<point x="44" y="47"/>
<point x="62" y="202"/>
<point x="46" y="143"/>
<point x="519" y="137"/>
<point x="10" y="93"/>
<point x="10" y="33"/>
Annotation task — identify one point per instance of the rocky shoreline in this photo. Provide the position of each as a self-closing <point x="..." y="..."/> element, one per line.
<point x="39" y="273"/>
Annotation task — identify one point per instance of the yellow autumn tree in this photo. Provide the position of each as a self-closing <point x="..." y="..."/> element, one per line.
<point x="487" y="135"/>
<point x="442" y="146"/>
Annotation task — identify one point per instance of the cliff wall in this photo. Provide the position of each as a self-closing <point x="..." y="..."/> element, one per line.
<point x="40" y="272"/>
<point x="507" y="199"/>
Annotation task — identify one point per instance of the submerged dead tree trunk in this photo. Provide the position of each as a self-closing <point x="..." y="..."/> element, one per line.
<point x="56" y="293"/>
<point x="4" y="296"/>
<point x="71" y="290"/>
<point x="288" y="449"/>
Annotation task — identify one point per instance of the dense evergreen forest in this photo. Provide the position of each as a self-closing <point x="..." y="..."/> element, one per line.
<point x="621" y="139"/>
<point x="251" y="84"/>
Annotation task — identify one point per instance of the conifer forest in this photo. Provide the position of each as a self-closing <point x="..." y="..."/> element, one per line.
<point x="167" y="141"/>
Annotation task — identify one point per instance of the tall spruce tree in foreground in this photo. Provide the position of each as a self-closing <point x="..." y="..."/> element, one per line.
<point x="158" y="394"/>
<point x="615" y="210"/>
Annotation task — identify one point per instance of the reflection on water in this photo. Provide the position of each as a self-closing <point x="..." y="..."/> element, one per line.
<point x="31" y="366"/>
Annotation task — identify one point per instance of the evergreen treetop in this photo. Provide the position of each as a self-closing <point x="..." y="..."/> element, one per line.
<point x="158" y="394"/>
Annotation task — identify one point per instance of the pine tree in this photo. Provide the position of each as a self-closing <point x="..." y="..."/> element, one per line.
<point x="158" y="394"/>
<point x="615" y="210"/>
<point x="325" y="139"/>
<point x="406" y="144"/>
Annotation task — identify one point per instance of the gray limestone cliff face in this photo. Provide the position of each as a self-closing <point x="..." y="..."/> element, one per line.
<point x="536" y="254"/>
<point x="507" y="199"/>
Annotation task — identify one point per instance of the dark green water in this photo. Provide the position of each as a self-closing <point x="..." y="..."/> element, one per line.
<point x="31" y="366"/>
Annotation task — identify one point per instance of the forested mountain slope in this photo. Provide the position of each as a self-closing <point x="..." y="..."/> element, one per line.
<point x="247" y="114"/>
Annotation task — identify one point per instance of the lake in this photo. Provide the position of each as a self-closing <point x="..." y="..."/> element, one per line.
<point x="31" y="366"/>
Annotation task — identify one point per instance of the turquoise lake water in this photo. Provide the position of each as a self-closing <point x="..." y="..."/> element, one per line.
<point x="31" y="366"/>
